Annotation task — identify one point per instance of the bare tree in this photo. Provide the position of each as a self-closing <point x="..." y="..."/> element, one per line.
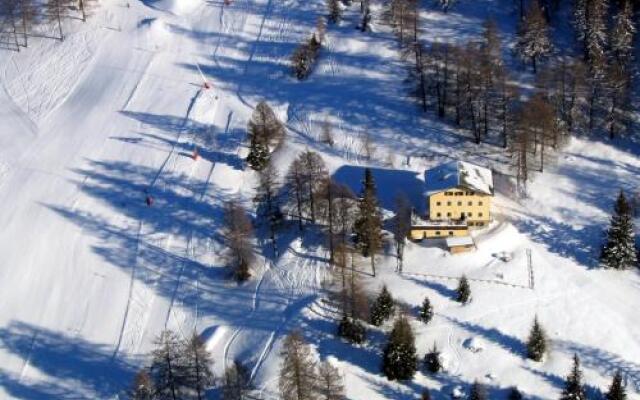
<point x="401" y="227"/>
<point x="330" y="383"/>
<point x="10" y="10"/>
<point x="198" y="362"/>
<point x="238" y="232"/>
<point x="142" y="387"/>
<point x="167" y="368"/>
<point x="533" y="35"/>
<point x="268" y="202"/>
<point x="236" y="383"/>
<point x="298" y="374"/>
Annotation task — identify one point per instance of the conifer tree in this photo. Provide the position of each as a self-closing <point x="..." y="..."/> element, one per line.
<point x="432" y="360"/>
<point x="514" y="394"/>
<point x="533" y="36"/>
<point x="463" y="291"/>
<point x="426" y="311"/>
<point x="619" y="250"/>
<point x="330" y="383"/>
<point x="596" y="36"/>
<point x="617" y="390"/>
<point x="351" y="329"/>
<point x="298" y="375"/>
<point x="399" y="360"/>
<point x="142" y="387"/>
<point x="236" y="383"/>
<point x="368" y="224"/>
<point x="573" y="387"/>
<point x="537" y="342"/>
<point x="401" y="228"/>
<point x="258" y="156"/>
<point x="478" y="392"/>
<point x="382" y="308"/>
<point x="197" y="367"/>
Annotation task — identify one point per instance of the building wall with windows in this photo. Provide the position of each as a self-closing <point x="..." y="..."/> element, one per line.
<point x="432" y="232"/>
<point x="459" y="203"/>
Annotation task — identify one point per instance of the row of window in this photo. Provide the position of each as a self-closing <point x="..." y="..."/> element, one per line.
<point x="469" y="203"/>
<point x="458" y="193"/>
<point x="462" y="214"/>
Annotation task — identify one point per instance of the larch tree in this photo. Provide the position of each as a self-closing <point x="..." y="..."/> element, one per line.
<point x="335" y="12"/>
<point x="168" y="368"/>
<point x="616" y="391"/>
<point x="269" y="202"/>
<point x="399" y="359"/>
<point x="266" y="133"/>
<point x="596" y="36"/>
<point x="623" y="33"/>
<point x="537" y="342"/>
<point x="330" y="383"/>
<point x="236" y="382"/>
<point x="142" y="387"/>
<point x="298" y="375"/>
<point x="314" y="173"/>
<point x="238" y="233"/>
<point x="533" y="35"/>
<point x="617" y="85"/>
<point x="296" y="189"/>
<point x="573" y="386"/>
<point x="619" y="250"/>
<point x="401" y="228"/>
<point x="368" y="224"/>
<point x="197" y="366"/>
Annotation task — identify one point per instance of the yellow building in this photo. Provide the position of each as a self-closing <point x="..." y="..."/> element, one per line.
<point x="459" y="191"/>
<point x="458" y="198"/>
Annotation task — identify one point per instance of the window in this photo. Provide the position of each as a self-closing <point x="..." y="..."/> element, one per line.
<point x="470" y="203"/>
<point x="479" y="214"/>
<point x="437" y="233"/>
<point x="480" y="203"/>
<point x="471" y="224"/>
<point x="469" y="214"/>
<point x="437" y="203"/>
<point x="439" y="214"/>
<point x="459" y="193"/>
<point x="459" y="203"/>
<point x="448" y="203"/>
<point x="469" y="193"/>
<point x="450" y="233"/>
<point x="447" y="193"/>
<point x="448" y="214"/>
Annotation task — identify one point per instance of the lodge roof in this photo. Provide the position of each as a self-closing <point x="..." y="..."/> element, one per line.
<point x="459" y="174"/>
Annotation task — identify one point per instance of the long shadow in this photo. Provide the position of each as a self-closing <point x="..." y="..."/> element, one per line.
<point x="74" y="367"/>
<point x="441" y="289"/>
<point x="508" y="342"/>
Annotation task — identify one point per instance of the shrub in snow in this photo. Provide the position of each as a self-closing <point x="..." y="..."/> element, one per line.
<point x="478" y="392"/>
<point x="537" y="343"/>
<point x="382" y="308"/>
<point x="463" y="292"/>
<point x="514" y="394"/>
<point x="426" y="311"/>
<point x="432" y="360"/>
<point x="352" y="330"/>
<point x="399" y="360"/>
<point x="304" y="57"/>
<point x="619" y="251"/>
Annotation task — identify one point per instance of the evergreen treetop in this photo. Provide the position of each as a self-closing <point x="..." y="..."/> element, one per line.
<point x="619" y="251"/>
<point x="399" y="360"/>
<point x="617" y="390"/>
<point x="573" y="387"/>
<point x="382" y="308"/>
<point x="537" y="343"/>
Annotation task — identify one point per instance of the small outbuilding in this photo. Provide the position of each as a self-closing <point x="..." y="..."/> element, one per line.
<point x="460" y="244"/>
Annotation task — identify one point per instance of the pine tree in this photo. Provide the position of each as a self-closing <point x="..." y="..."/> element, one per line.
<point x="537" y="342"/>
<point x="514" y="394"/>
<point x="142" y="387"/>
<point x="432" y="360"/>
<point x="463" y="291"/>
<point x="167" y="368"/>
<point x="298" y="371"/>
<point x="399" y="360"/>
<point x="265" y="127"/>
<point x="533" y="36"/>
<point x="330" y="383"/>
<point x="573" y="388"/>
<point x="401" y="228"/>
<point x="352" y="330"/>
<point x="236" y="383"/>
<point x="258" y="156"/>
<point x="383" y="307"/>
<point x="619" y="250"/>
<point x="617" y="390"/>
<point x="426" y="311"/>
<point x="478" y="392"/>
<point x="596" y="36"/>
<point x="368" y="224"/>
<point x="197" y="367"/>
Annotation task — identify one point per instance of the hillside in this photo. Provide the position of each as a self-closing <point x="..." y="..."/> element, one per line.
<point x="90" y="274"/>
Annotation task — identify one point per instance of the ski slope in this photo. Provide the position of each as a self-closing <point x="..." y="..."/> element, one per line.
<point x="90" y="274"/>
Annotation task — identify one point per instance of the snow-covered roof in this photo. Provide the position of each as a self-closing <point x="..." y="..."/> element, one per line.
<point x="459" y="174"/>
<point x="459" y="241"/>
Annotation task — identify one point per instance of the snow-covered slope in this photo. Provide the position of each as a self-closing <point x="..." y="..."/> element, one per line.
<point x="90" y="275"/>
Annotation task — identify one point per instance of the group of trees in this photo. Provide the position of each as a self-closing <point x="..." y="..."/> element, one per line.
<point x="181" y="369"/>
<point x="21" y="15"/>
<point x="265" y="133"/>
<point x="305" y="55"/>
<point x="302" y="377"/>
